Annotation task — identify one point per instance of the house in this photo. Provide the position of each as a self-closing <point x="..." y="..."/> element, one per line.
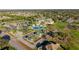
<point x="4" y="17"/>
<point x="70" y="20"/>
<point x="44" y="22"/>
<point x="49" y="21"/>
<point x="47" y="45"/>
<point x="10" y="25"/>
<point x="22" y="25"/>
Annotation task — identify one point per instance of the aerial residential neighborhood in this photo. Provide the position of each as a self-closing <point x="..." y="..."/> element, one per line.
<point x="39" y="29"/>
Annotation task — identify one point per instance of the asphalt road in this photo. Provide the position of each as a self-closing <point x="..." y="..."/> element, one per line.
<point x="18" y="44"/>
